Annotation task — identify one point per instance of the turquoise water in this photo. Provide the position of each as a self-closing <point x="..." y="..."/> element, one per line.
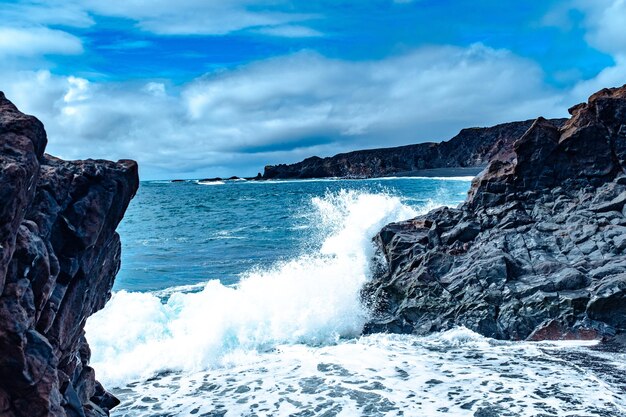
<point x="243" y="299"/>
<point x="186" y="233"/>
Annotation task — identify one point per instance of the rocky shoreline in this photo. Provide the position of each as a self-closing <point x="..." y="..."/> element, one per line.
<point x="59" y="254"/>
<point x="537" y="252"/>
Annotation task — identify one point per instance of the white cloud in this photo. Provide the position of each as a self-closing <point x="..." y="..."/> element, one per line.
<point x="605" y="24"/>
<point x="35" y="41"/>
<point x="52" y="12"/>
<point x="156" y="89"/>
<point x="283" y="109"/>
<point x="605" y="21"/>
<point x="614" y="76"/>
<point x="290" y="31"/>
<point x="185" y="17"/>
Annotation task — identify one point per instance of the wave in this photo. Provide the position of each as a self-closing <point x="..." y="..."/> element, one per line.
<point x="312" y="299"/>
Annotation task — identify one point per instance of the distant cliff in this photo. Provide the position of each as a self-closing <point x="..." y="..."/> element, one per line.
<point x="59" y="254"/>
<point x="471" y="148"/>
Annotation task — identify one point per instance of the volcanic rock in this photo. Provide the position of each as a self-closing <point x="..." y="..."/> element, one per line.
<point x="537" y="251"/>
<point x="59" y="254"/>
<point x="467" y="153"/>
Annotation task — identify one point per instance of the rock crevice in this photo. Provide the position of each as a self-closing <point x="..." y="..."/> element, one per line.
<point x="59" y="254"/>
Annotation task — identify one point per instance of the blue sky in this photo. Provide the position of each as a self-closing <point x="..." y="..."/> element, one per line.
<point x="205" y="88"/>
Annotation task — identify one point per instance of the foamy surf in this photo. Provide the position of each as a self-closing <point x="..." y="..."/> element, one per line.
<point x="285" y="341"/>
<point x="312" y="299"/>
<point x="455" y="373"/>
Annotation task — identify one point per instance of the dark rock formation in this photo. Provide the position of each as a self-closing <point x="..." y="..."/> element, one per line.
<point x="538" y="251"/>
<point x="471" y="148"/>
<point x="59" y="254"/>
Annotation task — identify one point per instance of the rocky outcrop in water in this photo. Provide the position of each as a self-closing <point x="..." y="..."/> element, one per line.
<point x="59" y="254"/>
<point x="471" y="148"/>
<point x="538" y="251"/>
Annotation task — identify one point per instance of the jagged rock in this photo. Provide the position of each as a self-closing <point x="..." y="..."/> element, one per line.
<point x="470" y="150"/>
<point x="537" y="250"/>
<point x="614" y="205"/>
<point x="59" y="254"/>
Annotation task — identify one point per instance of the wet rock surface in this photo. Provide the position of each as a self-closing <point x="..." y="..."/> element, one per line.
<point x="537" y="252"/>
<point x="471" y="148"/>
<point x="59" y="254"/>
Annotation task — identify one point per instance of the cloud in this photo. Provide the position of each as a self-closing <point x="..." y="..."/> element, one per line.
<point x="290" y="31"/>
<point x="161" y="17"/>
<point x="605" y="22"/>
<point x="35" y="41"/>
<point x="283" y="109"/>
<point x="53" y="12"/>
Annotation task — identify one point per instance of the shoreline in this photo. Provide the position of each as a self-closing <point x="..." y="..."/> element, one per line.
<point x="453" y="172"/>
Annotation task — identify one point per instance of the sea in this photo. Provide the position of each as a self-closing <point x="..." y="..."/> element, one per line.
<point x="242" y="298"/>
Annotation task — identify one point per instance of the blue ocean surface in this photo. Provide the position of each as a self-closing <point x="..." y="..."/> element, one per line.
<point x="242" y="298"/>
<point x="177" y="234"/>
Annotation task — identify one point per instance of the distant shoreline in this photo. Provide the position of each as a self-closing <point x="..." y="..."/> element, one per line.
<point x="424" y="173"/>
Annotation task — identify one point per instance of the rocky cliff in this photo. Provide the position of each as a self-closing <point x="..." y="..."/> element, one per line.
<point x="59" y="254"/>
<point x="471" y="148"/>
<point x="538" y="251"/>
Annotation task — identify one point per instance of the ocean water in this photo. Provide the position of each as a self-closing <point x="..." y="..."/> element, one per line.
<point x="242" y="299"/>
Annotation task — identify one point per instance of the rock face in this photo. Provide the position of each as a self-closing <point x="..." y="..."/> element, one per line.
<point x="59" y="254"/>
<point x="471" y="148"/>
<point x="538" y="251"/>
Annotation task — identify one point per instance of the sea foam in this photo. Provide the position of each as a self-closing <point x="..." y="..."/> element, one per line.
<point x="455" y="373"/>
<point x="312" y="299"/>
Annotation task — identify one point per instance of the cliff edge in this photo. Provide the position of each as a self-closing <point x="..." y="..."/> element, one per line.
<point x="59" y="254"/>
<point x="537" y="252"/>
<point x="472" y="148"/>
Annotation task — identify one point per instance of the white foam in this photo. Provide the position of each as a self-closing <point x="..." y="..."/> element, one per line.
<point x="312" y="299"/>
<point x="166" y="292"/>
<point x="455" y="373"/>
<point x="210" y="182"/>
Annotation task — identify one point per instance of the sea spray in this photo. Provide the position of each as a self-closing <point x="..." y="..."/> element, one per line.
<point x="279" y="344"/>
<point x="311" y="299"/>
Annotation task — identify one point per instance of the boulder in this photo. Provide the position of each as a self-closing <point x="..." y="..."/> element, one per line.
<point x="537" y="250"/>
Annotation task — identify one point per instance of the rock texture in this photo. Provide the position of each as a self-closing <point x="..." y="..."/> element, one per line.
<point x="538" y="251"/>
<point x="59" y="254"/>
<point x="471" y="148"/>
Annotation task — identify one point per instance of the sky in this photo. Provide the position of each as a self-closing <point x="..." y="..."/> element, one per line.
<point x="205" y="88"/>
